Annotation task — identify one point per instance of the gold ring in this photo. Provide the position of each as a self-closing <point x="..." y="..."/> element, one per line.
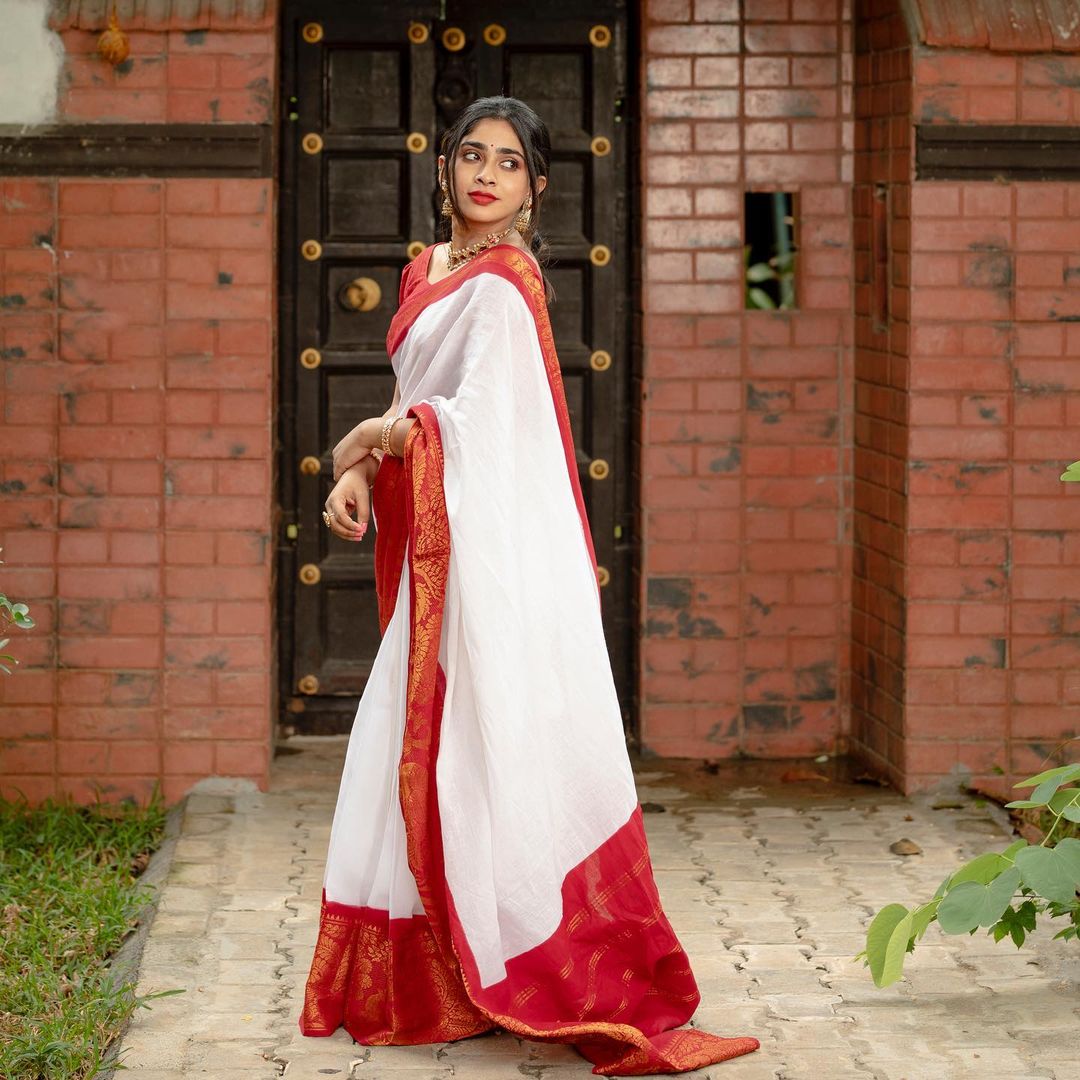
<point x="326" y="518"/>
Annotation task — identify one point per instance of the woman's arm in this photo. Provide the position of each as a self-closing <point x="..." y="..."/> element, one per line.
<point x="365" y="438"/>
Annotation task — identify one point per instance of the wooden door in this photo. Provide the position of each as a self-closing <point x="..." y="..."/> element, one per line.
<point x="368" y="91"/>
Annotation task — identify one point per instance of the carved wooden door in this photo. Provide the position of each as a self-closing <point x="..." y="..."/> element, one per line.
<point x="368" y="91"/>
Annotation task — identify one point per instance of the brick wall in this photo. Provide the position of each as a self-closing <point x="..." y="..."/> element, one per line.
<point x="994" y="545"/>
<point x="746" y="414"/>
<point x="136" y="341"/>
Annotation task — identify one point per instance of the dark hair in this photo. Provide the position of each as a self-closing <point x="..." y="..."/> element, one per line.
<point x="535" y="141"/>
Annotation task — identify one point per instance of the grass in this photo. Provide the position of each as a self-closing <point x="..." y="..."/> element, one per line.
<point x="68" y="898"/>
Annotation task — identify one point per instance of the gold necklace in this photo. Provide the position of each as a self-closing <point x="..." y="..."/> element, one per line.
<point x="456" y="257"/>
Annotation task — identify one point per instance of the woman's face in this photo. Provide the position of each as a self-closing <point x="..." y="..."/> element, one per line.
<point x="490" y="161"/>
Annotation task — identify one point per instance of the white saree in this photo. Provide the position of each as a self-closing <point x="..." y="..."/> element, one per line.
<point x="487" y="840"/>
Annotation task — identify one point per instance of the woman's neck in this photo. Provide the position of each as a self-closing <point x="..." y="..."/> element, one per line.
<point x="462" y="236"/>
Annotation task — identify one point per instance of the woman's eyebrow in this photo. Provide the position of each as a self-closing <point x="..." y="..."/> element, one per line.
<point x="498" y="149"/>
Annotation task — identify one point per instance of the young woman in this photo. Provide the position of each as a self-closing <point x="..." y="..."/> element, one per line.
<point x="487" y="863"/>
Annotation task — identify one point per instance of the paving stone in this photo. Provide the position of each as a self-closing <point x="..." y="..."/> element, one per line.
<point x="770" y="896"/>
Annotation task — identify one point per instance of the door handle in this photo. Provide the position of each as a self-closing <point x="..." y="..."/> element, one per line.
<point x="360" y="294"/>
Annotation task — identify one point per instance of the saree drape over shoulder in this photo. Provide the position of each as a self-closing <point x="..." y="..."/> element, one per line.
<point x="488" y="865"/>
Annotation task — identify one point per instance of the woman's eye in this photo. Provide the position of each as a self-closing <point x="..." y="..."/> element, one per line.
<point x="467" y="155"/>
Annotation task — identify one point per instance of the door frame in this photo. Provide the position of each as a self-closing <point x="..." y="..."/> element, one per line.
<point x="630" y="553"/>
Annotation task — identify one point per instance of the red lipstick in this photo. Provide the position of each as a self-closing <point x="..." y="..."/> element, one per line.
<point x="481" y="197"/>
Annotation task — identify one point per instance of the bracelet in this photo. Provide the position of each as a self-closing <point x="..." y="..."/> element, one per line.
<point x="384" y="439"/>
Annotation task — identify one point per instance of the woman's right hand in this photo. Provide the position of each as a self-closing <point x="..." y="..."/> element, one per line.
<point x="352" y="495"/>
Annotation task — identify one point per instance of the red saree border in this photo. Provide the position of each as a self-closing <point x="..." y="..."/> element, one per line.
<point x="362" y="960"/>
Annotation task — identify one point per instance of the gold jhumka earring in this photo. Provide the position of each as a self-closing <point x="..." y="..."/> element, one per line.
<point x="521" y="222"/>
<point x="447" y="205"/>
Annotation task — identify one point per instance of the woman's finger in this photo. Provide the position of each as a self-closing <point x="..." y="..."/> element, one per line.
<point x="338" y="506"/>
<point x="341" y="523"/>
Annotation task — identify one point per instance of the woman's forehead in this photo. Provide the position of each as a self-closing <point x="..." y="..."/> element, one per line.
<point x="495" y="133"/>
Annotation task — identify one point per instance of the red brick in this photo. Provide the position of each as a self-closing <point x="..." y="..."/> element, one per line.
<point x="139" y="758"/>
<point x="707" y="39"/>
<point x="82" y="757"/>
<point x="241" y="758"/>
<point x="791" y="38"/>
<point x="229" y="723"/>
<point x="188" y="758"/>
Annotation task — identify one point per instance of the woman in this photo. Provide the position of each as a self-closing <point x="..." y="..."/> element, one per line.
<point x="487" y="863"/>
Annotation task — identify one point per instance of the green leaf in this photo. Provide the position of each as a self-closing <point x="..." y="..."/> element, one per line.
<point x="1072" y="472"/>
<point x="1071" y="813"/>
<point x="1067" y="772"/>
<point x="1063" y="798"/>
<point x="760" y="272"/>
<point x="895" y="951"/>
<point x="784" y="260"/>
<point x="1026" y="912"/>
<point x="878" y="936"/>
<point x="982" y="870"/>
<point x="922" y="917"/>
<point x="1010" y="852"/>
<point x="971" y="904"/>
<point x="761" y="299"/>
<point x="1050" y="871"/>
<point x="1068" y="853"/>
<point x="1045" y="791"/>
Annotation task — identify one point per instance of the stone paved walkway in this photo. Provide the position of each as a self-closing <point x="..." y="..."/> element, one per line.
<point x="769" y="886"/>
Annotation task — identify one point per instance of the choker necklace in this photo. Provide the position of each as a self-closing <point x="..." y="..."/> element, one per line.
<point x="455" y="257"/>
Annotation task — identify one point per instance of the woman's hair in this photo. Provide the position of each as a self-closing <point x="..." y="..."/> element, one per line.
<point x="533" y="134"/>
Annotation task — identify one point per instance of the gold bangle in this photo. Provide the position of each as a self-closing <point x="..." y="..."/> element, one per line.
<point x="384" y="438"/>
<point x="390" y="434"/>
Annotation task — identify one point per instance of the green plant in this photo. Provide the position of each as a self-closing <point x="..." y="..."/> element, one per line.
<point x="781" y="269"/>
<point x="68" y="898"/>
<point x="1003" y="891"/>
<point x="11" y="615"/>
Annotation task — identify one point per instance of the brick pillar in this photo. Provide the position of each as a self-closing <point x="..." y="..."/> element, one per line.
<point x="993" y="534"/>
<point x="882" y="196"/>
<point x="746" y="415"/>
<point x="966" y="549"/>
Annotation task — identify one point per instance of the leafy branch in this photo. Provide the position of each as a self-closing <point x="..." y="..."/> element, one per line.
<point x="781" y="269"/>
<point x="11" y="614"/>
<point x="1003" y="891"/>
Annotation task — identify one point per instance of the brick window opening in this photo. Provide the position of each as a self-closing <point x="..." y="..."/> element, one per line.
<point x="769" y="250"/>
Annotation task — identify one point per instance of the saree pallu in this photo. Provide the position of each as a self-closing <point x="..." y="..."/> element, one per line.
<point x="488" y="865"/>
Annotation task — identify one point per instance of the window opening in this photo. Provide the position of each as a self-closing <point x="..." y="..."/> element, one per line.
<point x="769" y="251"/>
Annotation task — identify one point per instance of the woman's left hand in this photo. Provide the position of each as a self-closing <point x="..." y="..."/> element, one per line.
<point x="357" y="445"/>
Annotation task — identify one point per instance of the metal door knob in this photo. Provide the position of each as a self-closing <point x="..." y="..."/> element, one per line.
<point x="360" y="294"/>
